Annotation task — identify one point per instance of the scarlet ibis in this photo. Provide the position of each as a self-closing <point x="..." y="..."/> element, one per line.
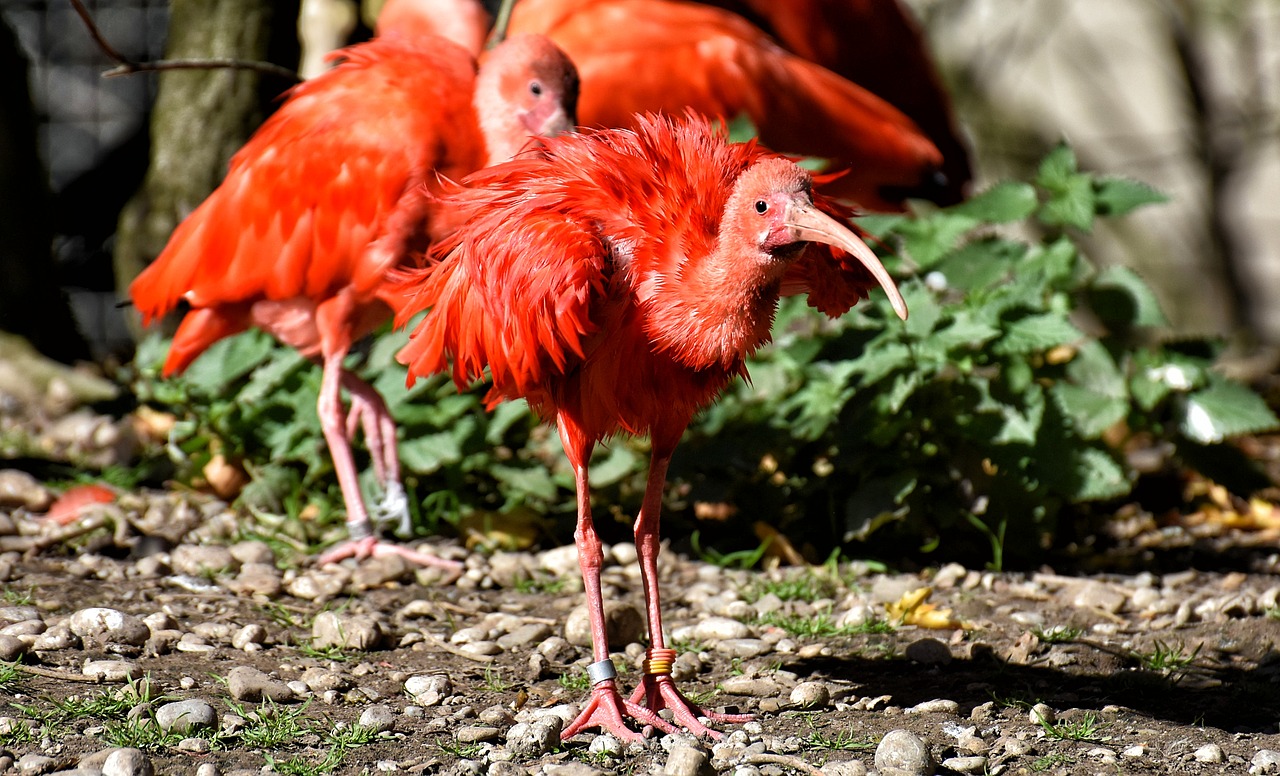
<point x="617" y="280"/>
<point x="666" y="55"/>
<point x="877" y="44"/>
<point x="328" y="195"/>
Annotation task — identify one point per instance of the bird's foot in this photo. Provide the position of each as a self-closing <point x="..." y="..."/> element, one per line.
<point x="658" y="692"/>
<point x="393" y="510"/>
<point x="373" y="547"/>
<point x="606" y="710"/>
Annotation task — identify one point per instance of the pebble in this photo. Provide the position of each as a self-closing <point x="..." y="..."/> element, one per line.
<point x="99" y="626"/>
<point x="750" y="686"/>
<point x="939" y="706"/>
<point x="1042" y="714"/>
<point x="714" y="629"/>
<point x="844" y="768"/>
<point x="905" y="751"/>
<point x="127" y="762"/>
<point x="249" y="637"/>
<point x="928" y="652"/>
<point x="686" y="759"/>
<point x="111" y="670"/>
<point x="378" y="717"/>
<point x="624" y="624"/>
<point x="743" y="648"/>
<point x="359" y="631"/>
<point x="35" y="763"/>
<point x="972" y="764"/>
<point x="525" y="636"/>
<point x="428" y="690"/>
<point x="260" y="579"/>
<point x="470" y="734"/>
<point x="811" y="695"/>
<point x="187" y="715"/>
<point x="1265" y="761"/>
<point x="12" y="648"/>
<point x="249" y="684"/>
<point x="534" y="739"/>
<point x="1209" y="753"/>
<point x="200" y="560"/>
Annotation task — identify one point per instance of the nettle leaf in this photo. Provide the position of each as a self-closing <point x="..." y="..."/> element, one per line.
<point x="1001" y="204"/>
<point x="1070" y="194"/>
<point x="813" y="408"/>
<point x="271" y="376"/>
<point x="924" y="307"/>
<point x="618" y="464"/>
<point x="1225" y="409"/>
<point x="876" y="363"/>
<point x="503" y="417"/>
<point x="1018" y="425"/>
<point x="1096" y="475"/>
<point x="228" y="360"/>
<point x="980" y="263"/>
<point x="966" y="330"/>
<point x="429" y="453"/>
<point x="1118" y="196"/>
<point x="1121" y="296"/>
<point x="533" y="481"/>
<point x="1036" y="333"/>
<point x="1089" y="412"/>
<point x="927" y="240"/>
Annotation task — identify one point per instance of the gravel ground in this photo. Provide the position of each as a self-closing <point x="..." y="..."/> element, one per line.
<point x="207" y="658"/>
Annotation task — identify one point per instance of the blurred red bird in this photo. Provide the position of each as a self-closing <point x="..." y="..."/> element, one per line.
<point x="328" y="195"/>
<point x="878" y="45"/>
<point x="666" y="55"/>
<point x="617" y="280"/>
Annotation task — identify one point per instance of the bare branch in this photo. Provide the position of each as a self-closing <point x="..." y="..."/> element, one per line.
<point x="126" y="66"/>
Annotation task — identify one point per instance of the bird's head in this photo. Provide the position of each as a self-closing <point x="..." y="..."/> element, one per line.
<point x="527" y="87"/>
<point x="772" y="206"/>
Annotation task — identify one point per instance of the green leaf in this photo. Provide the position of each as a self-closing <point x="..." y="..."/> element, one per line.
<point x="1002" y="203"/>
<point x="924" y="307"/>
<point x="876" y="503"/>
<point x="980" y="263"/>
<point x="429" y="453"/>
<point x="226" y="361"/>
<point x="621" y="462"/>
<point x="1090" y="412"/>
<point x="1225" y="409"/>
<point x="927" y="240"/>
<point x="964" y="331"/>
<point x="503" y="417"/>
<point x="271" y="376"/>
<point x="533" y="481"/>
<point x="1036" y="333"/>
<point x="1118" y="196"/>
<point x="1097" y="476"/>
<point x="1021" y="425"/>
<point x="1070" y="199"/>
<point x="876" y="363"/>
<point x="1121" y="297"/>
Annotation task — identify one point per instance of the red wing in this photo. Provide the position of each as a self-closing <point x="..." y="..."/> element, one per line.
<point x="516" y="295"/>
<point x="327" y="175"/>
<point x="652" y="55"/>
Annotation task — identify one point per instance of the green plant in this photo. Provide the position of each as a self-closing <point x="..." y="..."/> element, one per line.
<point x="1169" y="659"/>
<point x="13" y="596"/>
<point x="1086" y="728"/>
<point x="455" y="748"/>
<point x="806" y="585"/>
<point x="1050" y="761"/>
<point x="577" y="681"/>
<point x="494" y="682"/>
<point x="842" y="740"/>
<point x="1058" y="634"/>
<point x="740" y="559"/>
<point x="273" y="725"/>
<point x="141" y="732"/>
<point x="10" y="676"/>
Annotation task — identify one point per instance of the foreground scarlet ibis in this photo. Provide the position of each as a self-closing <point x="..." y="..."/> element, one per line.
<point x="617" y="280"/>
<point x="665" y="55"/>
<point x="331" y="193"/>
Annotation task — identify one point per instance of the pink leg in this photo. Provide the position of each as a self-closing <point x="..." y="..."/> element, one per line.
<point x="370" y="412"/>
<point x="363" y="543"/>
<point x="606" y="708"/>
<point x="656" y="688"/>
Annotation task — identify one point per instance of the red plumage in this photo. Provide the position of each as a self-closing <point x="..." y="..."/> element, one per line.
<point x="666" y="55"/>
<point x="617" y="280"/>
<point x="329" y="195"/>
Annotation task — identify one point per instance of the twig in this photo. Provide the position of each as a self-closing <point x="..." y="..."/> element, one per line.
<point x="501" y="22"/>
<point x="435" y="641"/>
<point x="51" y="673"/>
<point x="126" y="66"/>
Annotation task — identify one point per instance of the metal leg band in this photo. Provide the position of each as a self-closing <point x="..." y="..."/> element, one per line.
<point x="358" y="531"/>
<point x="659" y="661"/>
<point x="601" y="671"/>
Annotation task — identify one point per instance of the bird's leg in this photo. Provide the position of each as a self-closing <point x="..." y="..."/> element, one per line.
<point x="656" y="689"/>
<point x="606" y="707"/>
<point x="369" y="411"/>
<point x="362" y="543"/>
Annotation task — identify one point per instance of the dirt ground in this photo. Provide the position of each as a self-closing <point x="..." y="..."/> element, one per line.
<point x="1118" y="708"/>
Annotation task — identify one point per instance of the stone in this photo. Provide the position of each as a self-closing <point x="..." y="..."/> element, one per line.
<point x="111" y="670"/>
<point x="249" y="684"/>
<point x="1209" y="753"/>
<point x="686" y="759"/>
<point x="844" y="768"/>
<point x="714" y="629"/>
<point x="536" y="738"/>
<point x="102" y="627"/>
<point x="32" y="763"/>
<point x="187" y="715"/>
<point x="356" y="631"/>
<point x="1042" y="714"/>
<point x="199" y="560"/>
<point x="471" y="734"/>
<point x="905" y="751"/>
<point x="743" y="648"/>
<point x="928" y="652"/>
<point x="971" y="764"/>
<point x="939" y="706"/>
<point x="127" y="762"/>
<point x="810" y="695"/>
<point x="250" y="636"/>
<point x="12" y="648"/>
<point x="1265" y="761"/>
<point x="624" y="624"/>
<point x="525" y="636"/>
<point x="751" y="686"/>
<point x="378" y="717"/>
<point x="428" y="690"/>
<point x="261" y="579"/>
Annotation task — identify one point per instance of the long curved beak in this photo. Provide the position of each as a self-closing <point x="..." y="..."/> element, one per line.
<point x="812" y="225"/>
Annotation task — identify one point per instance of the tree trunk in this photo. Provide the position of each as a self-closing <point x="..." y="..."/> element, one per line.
<point x="31" y="302"/>
<point x="201" y="116"/>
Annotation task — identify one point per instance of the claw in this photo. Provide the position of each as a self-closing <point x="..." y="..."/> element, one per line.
<point x="659" y="692"/>
<point x="372" y="547"/>
<point x="606" y="710"/>
<point x="393" y="509"/>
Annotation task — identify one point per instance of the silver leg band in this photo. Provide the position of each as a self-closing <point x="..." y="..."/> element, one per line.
<point x="602" y="671"/>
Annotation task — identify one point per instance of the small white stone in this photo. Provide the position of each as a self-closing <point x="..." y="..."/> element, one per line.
<point x="1209" y="753"/>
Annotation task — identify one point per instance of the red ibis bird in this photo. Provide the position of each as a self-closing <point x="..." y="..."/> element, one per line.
<point x="667" y="55"/>
<point x="617" y="280"/>
<point x="331" y="193"/>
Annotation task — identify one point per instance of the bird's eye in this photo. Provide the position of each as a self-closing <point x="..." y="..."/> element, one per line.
<point x="535" y="89"/>
<point x="762" y="207"/>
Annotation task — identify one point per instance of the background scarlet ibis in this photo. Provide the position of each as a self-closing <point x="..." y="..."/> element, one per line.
<point x="617" y="281"/>
<point x="878" y="45"/>
<point x="327" y="196"/>
<point x="666" y="55"/>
